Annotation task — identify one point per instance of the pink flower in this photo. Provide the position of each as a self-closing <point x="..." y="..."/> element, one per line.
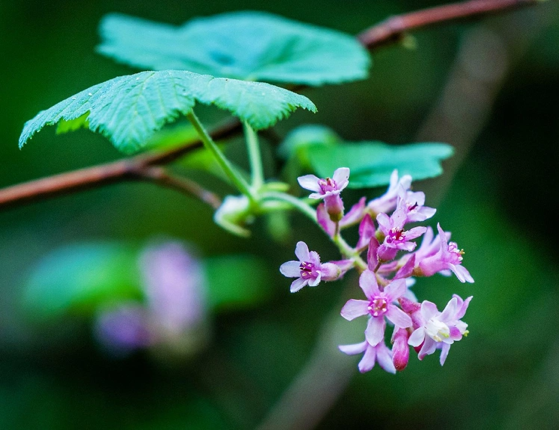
<point x="328" y="189"/>
<point x="448" y="257"/>
<point x="308" y="269"/>
<point x="395" y="237"/>
<point x="412" y="205"/>
<point x="440" y="329"/>
<point x="387" y="201"/>
<point x="378" y="305"/>
<point x="325" y="187"/>
<point x="378" y="352"/>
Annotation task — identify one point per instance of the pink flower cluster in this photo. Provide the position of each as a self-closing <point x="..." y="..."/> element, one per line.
<point x="392" y="261"/>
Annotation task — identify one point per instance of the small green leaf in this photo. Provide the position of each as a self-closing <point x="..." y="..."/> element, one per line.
<point x="371" y="163"/>
<point x="129" y="109"/>
<point x="78" y="278"/>
<point x="298" y="140"/>
<point x="236" y="282"/>
<point x="241" y="45"/>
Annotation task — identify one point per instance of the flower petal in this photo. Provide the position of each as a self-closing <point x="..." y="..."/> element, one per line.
<point x="372" y="253"/>
<point x="407" y="269"/>
<point x="429" y="346"/>
<point x="297" y="284"/>
<point x="395" y="290"/>
<point x="314" y="258"/>
<point x="355" y="214"/>
<point x="374" y="333"/>
<point x="315" y="281"/>
<point x="355" y="348"/>
<point x="384" y="358"/>
<point x="461" y="273"/>
<point x="398" y="317"/>
<point x="366" y="231"/>
<point x="449" y="312"/>
<point x="463" y="305"/>
<point x="302" y="251"/>
<point x="444" y="353"/>
<point x="309" y="182"/>
<point x="316" y="196"/>
<point x="368" y="283"/>
<point x="368" y="360"/>
<point x="428" y="310"/>
<point x="444" y="238"/>
<point x="417" y="337"/>
<point x="384" y="222"/>
<point x="291" y="269"/>
<point x="341" y="177"/>
<point x="355" y="308"/>
<point x="415" y="232"/>
<point x="324" y="220"/>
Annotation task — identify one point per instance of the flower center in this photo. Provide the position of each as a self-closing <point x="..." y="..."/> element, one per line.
<point x="455" y="252"/>
<point x="437" y="330"/>
<point x="307" y="270"/>
<point x="327" y="184"/>
<point x="396" y="235"/>
<point x="377" y="306"/>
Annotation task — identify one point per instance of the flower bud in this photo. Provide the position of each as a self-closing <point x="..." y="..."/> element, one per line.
<point x="234" y="214"/>
<point x="334" y="206"/>
<point x="400" y="349"/>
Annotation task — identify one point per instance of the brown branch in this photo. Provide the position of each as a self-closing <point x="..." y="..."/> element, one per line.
<point x="393" y="29"/>
<point x="134" y="168"/>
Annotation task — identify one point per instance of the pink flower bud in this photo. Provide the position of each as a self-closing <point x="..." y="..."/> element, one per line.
<point x="400" y="349"/>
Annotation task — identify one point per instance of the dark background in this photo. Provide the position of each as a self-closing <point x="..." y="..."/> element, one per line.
<point x="487" y="87"/>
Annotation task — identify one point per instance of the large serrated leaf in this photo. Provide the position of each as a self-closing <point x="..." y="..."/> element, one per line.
<point x="371" y="163"/>
<point x="129" y="109"/>
<point x="241" y="45"/>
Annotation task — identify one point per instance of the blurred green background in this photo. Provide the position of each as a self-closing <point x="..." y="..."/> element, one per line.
<point x="487" y="87"/>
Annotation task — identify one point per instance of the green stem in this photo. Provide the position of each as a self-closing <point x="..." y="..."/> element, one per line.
<point x="349" y="252"/>
<point x="229" y="170"/>
<point x="254" y="156"/>
<point x="345" y="249"/>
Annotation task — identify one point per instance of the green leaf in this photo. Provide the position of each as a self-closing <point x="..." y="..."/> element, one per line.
<point x="371" y="163"/>
<point x="129" y="109"/>
<point x="241" y="45"/>
<point x="78" y="278"/>
<point x="298" y="140"/>
<point x="170" y="137"/>
<point x="236" y="282"/>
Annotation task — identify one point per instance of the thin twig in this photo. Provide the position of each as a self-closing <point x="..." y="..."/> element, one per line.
<point x="161" y="176"/>
<point x="393" y="29"/>
<point x="386" y="32"/>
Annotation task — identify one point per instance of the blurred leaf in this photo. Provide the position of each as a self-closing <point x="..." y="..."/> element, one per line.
<point x="299" y="139"/>
<point x="236" y="282"/>
<point x="181" y="134"/>
<point x="371" y="163"/>
<point x="78" y="278"/>
<point x="241" y="45"/>
<point x="129" y="109"/>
